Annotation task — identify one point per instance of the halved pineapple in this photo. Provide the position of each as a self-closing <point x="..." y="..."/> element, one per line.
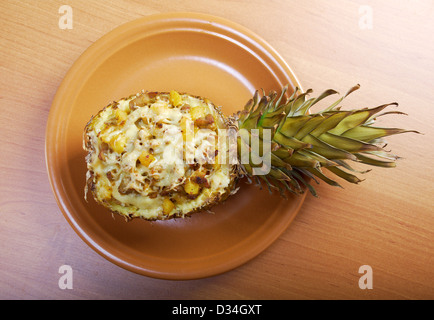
<point x="137" y="156"/>
<point x="154" y="155"/>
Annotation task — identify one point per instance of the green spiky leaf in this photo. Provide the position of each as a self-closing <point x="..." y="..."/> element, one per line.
<point x="303" y="143"/>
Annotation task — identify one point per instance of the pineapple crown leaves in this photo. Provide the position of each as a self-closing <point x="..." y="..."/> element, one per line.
<point x="308" y="146"/>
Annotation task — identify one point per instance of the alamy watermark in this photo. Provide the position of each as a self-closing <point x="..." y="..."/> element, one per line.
<point x="65" y="281"/>
<point x="366" y="280"/>
<point x="66" y="278"/>
<point x="66" y="18"/>
<point x="366" y="17"/>
<point x="226" y="146"/>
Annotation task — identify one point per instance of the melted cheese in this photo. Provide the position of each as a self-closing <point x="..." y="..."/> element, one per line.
<point x="121" y="134"/>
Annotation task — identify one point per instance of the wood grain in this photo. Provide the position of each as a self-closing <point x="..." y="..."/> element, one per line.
<point x="386" y="222"/>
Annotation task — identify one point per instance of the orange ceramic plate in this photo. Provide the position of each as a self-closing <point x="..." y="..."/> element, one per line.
<point x="195" y="53"/>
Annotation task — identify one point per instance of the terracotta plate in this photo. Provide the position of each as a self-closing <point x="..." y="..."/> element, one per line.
<point x="195" y="53"/>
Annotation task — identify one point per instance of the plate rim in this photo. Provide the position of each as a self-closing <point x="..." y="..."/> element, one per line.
<point x="55" y="184"/>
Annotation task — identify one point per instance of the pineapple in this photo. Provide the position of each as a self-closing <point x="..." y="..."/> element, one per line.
<point x="160" y="155"/>
<point x="148" y="156"/>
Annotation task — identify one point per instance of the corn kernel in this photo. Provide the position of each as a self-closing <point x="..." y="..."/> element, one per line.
<point x="118" y="144"/>
<point x="197" y="112"/>
<point x="158" y="108"/>
<point x="168" y="206"/>
<point x="192" y="188"/>
<point x="121" y="115"/>
<point x="146" y="158"/>
<point x="104" y="190"/>
<point x="175" y="98"/>
<point x="105" y="134"/>
<point x="105" y="138"/>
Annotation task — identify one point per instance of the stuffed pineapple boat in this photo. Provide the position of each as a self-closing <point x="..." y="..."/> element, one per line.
<point x="160" y="155"/>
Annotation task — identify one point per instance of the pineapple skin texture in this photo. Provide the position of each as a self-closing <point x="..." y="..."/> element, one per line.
<point x="123" y="157"/>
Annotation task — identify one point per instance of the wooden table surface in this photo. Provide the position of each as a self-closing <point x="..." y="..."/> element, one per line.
<point x="386" y="222"/>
